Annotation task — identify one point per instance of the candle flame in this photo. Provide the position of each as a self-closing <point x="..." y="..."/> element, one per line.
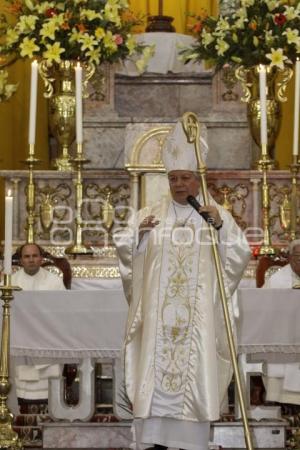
<point x="9" y="193"/>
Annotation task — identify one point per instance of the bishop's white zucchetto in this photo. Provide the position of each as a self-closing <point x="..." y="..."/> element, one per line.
<point x="178" y="153"/>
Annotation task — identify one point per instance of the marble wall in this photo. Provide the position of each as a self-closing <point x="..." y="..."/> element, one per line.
<point x="158" y="98"/>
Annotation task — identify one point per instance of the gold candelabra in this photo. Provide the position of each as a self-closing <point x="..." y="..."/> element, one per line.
<point x="8" y="437"/>
<point x="78" y="248"/>
<point x="264" y="165"/>
<point x="31" y="161"/>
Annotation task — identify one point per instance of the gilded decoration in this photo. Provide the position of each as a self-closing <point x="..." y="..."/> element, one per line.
<point x="85" y="271"/>
<point x="53" y="203"/>
<point x="281" y="210"/>
<point x="146" y="153"/>
<point x="105" y="207"/>
<point x="238" y="191"/>
<point x="101" y="252"/>
<point x="95" y="271"/>
<point x="232" y="198"/>
<point x="176" y="315"/>
<point x="55" y="209"/>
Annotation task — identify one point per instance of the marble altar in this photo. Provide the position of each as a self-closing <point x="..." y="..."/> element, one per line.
<point x="237" y="190"/>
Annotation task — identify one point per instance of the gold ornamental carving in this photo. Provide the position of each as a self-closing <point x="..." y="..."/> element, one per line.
<point x="136" y="164"/>
<point x="95" y="271"/>
<point x="277" y="194"/>
<point x="46" y="210"/>
<point x="288" y="200"/>
<point x="105" y="206"/>
<point x="232" y="198"/>
<point x="53" y="204"/>
<point x="285" y="210"/>
<point x="108" y="252"/>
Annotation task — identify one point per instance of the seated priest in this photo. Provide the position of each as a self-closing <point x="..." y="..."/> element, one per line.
<point x="282" y="381"/>
<point x="32" y="380"/>
<point x="33" y="277"/>
<point x="177" y="361"/>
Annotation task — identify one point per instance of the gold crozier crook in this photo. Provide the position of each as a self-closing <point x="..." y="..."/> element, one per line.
<point x="192" y="130"/>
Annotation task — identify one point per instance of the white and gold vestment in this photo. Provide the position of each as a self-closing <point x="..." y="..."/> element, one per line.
<point x="177" y="362"/>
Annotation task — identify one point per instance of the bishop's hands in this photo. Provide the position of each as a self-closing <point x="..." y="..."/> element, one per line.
<point x="214" y="217"/>
<point x="146" y="225"/>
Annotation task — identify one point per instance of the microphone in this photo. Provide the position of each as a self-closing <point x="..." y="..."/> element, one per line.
<point x="196" y="205"/>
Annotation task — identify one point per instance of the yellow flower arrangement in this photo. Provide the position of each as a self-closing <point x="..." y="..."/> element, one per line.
<point x="95" y="31"/>
<point x="258" y="32"/>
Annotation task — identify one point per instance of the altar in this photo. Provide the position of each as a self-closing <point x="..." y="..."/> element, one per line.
<point x="68" y="326"/>
<point x="82" y="327"/>
<point x="79" y="332"/>
<point x="268" y="325"/>
<point x="87" y="326"/>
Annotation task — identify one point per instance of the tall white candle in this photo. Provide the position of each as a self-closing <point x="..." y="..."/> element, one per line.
<point x="263" y="107"/>
<point x="296" y="109"/>
<point x="33" y="101"/>
<point x="8" y="233"/>
<point x="78" y="91"/>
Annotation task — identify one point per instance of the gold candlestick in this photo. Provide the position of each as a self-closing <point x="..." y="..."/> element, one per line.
<point x="294" y="168"/>
<point x="8" y="437"/>
<point x="264" y="165"/>
<point x="78" y="248"/>
<point x="31" y="161"/>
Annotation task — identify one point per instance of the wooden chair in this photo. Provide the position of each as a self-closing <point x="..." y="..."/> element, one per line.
<point x="49" y="260"/>
<point x="266" y="263"/>
<point x="62" y="264"/>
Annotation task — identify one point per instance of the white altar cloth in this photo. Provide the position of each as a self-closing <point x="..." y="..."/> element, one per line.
<point x="90" y="284"/>
<point x="67" y="325"/>
<point x="269" y="322"/>
<point x="166" y="57"/>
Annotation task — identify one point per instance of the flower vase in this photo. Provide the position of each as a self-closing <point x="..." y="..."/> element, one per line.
<point x="59" y="82"/>
<point x="276" y="81"/>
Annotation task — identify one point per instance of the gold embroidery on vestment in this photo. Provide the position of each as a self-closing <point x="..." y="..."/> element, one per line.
<point x="176" y="314"/>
